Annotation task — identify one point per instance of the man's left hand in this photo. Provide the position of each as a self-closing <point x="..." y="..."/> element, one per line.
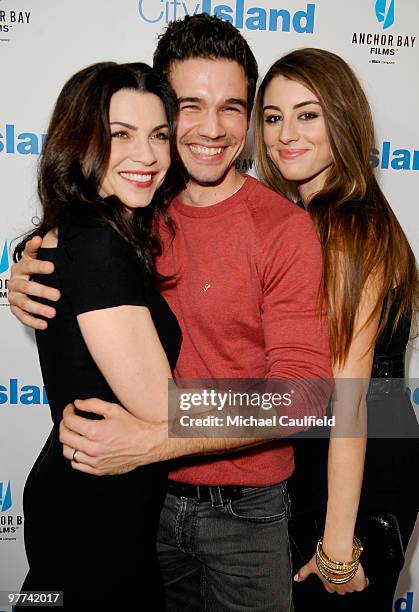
<point x="116" y="444"/>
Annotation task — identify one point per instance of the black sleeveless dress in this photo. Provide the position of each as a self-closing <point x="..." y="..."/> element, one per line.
<point x="93" y="537"/>
<point x="390" y="481"/>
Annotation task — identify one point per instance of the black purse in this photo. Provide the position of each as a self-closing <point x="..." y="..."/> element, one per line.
<point x="383" y="553"/>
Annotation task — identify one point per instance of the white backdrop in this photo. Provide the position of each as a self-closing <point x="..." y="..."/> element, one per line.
<point x="43" y="42"/>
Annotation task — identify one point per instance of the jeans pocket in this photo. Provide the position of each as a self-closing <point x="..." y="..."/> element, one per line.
<point x="261" y="504"/>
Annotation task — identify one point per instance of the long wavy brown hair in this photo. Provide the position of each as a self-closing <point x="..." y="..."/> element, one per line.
<point x="359" y="233"/>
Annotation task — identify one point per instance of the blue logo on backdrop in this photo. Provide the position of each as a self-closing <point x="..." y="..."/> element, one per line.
<point x="404" y="604"/>
<point x="10" y="523"/>
<point x="23" y="143"/>
<point x="4" y="266"/>
<point x="5" y="496"/>
<point x="384" y="10"/>
<point x="4" y="261"/>
<point x="15" y="393"/>
<point x="414" y="394"/>
<point x="389" y="157"/>
<point x="234" y="11"/>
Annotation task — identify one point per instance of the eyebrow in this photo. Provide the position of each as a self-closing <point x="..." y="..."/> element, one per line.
<point x="299" y="105"/>
<point x="133" y="127"/>
<point x="127" y="125"/>
<point x="238" y="101"/>
<point x="188" y="99"/>
<point x="160" y="127"/>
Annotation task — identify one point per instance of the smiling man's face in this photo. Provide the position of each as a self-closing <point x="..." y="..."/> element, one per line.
<point x="212" y="124"/>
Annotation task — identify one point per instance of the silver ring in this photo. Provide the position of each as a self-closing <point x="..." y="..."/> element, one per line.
<point x="75" y="456"/>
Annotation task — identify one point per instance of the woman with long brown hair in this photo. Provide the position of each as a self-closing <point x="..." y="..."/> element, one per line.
<point x="104" y="182"/>
<point x="314" y="134"/>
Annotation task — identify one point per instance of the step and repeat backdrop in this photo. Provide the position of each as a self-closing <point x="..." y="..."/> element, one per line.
<point x="43" y="42"/>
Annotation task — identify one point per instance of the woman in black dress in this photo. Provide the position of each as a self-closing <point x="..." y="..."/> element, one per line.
<point x="314" y="134"/>
<point x="104" y="183"/>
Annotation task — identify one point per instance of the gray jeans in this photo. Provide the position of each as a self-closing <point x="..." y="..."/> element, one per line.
<point x="227" y="555"/>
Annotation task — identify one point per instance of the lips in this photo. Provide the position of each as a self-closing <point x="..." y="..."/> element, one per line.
<point x="289" y="154"/>
<point x="138" y="179"/>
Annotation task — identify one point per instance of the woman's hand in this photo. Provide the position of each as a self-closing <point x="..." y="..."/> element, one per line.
<point x="358" y="583"/>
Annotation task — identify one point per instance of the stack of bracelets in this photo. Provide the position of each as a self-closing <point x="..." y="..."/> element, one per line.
<point x="338" y="572"/>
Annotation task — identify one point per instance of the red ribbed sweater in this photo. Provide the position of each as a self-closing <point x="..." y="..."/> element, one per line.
<point x="248" y="275"/>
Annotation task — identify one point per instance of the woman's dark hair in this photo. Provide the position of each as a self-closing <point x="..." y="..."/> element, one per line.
<point x="76" y="154"/>
<point x="359" y="233"/>
<point x="208" y="37"/>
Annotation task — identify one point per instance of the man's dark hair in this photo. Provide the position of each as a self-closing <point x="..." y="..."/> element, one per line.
<point x="207" y="37"/>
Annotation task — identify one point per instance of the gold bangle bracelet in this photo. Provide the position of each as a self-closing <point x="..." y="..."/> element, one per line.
<point x="356" y="553"/>
<point x="337" y="580"/>
<point x="337" y="568"/>
<point x="338" y="572"/>
<point x="334" y="573"/>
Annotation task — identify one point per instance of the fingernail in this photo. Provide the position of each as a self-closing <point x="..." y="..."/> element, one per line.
<point x="296" y="578"/>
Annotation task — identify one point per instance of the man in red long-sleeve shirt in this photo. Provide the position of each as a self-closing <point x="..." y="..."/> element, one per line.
<point x="248" y="268"/>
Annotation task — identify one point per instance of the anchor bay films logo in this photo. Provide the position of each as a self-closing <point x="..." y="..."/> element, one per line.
<point x="12" y="21"/>
<point x="385" y="45"/>
<point x="243" y="14"/>
<point x="10" y="523"/>
<point x="4" y="272"/>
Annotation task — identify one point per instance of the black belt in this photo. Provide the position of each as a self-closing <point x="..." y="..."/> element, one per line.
<point x="203" y="492"/>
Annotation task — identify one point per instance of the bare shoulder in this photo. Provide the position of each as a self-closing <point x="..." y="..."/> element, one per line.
<point x="50" y="240"/>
